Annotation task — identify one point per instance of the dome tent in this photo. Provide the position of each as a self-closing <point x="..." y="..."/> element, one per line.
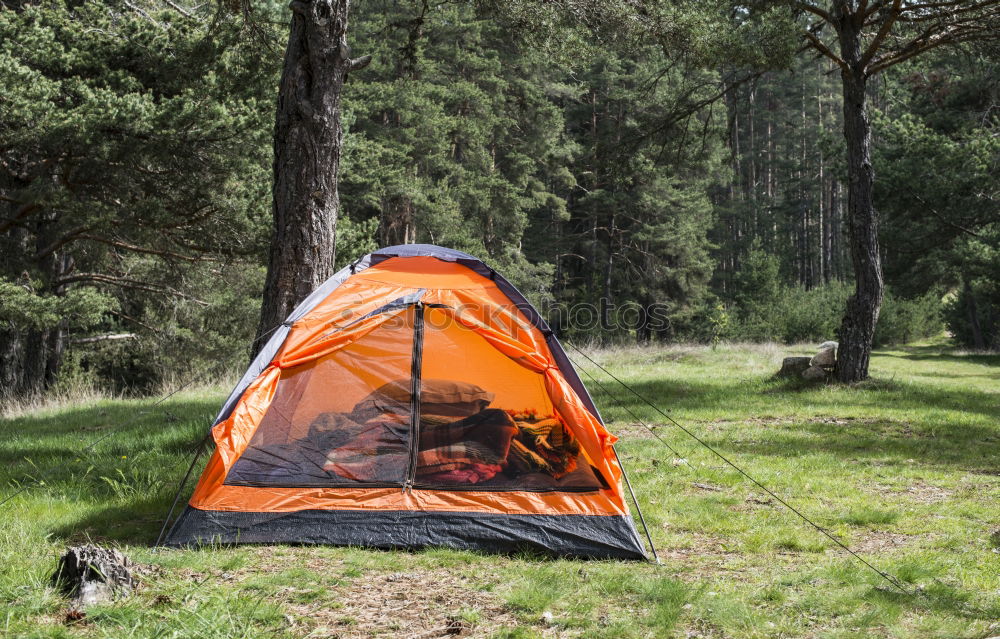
<point x="414" y="399"/>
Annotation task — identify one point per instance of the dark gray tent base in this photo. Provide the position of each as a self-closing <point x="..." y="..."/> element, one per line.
<point x="589" y="536"/>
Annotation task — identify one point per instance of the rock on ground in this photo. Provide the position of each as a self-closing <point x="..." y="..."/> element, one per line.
<point x="826" y="357"/>
<point x="814" y="373"/>
<point x="793" y="366"/>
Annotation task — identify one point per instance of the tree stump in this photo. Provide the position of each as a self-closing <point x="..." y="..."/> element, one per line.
<point x="91" y="574"/>
<point x="793" y="366"/>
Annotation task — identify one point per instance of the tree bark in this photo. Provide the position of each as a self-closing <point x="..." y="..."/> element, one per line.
<point x="836" y="241"/>
<point x="858" y="326"/>
<point x="30" y="358"/>
<point x="396" y="222"/>
<point x="307" y="149"/>
<point x="978" y="341"/>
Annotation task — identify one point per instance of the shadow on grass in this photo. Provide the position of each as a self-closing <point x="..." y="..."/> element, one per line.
<point x="766" y="397"/>
<point x="889" y="419"/>
<point x="935" y="353"/>
<point x="933" y="438"/>
<point x="70" y="431"/>
<point x="121" y="488"/>
<point x="136" y="522"/>
<point x="938" y="597"/>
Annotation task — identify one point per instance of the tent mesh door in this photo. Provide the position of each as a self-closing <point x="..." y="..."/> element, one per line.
<point x="486" y="422"/>
<point x="332" y="423"/>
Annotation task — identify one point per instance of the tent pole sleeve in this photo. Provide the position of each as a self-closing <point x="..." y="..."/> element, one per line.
<point x="197" y="454"/>
<point x="600" y="418"/>
<point x="416" y="364"/>
<point x="638" y="510"/>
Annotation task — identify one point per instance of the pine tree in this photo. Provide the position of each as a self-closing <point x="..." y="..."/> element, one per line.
<point x="130" y="139"/>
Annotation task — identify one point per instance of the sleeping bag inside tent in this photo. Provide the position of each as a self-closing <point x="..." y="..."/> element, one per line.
<point x="414" y="399"/>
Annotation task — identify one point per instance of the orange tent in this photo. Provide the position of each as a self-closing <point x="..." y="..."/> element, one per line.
<point x="414" y="399"/>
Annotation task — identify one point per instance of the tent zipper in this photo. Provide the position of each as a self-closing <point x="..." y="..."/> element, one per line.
<point x="416" y="365"/>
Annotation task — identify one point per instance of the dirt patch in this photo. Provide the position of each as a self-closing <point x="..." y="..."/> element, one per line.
<point x="703" y="629"/>
<point x="418" y="603"/>
<point x="754" y="502"/>
<point x="918" y="492"/>
<point x="877" y="426"/>
<point x="720" y="424"/>
<point x="988" y="472"/>
<point x="635" y="430"/>
<point x="783" y="421"/>
<point x="880" y="541"/>
<point x="698" y="545"/>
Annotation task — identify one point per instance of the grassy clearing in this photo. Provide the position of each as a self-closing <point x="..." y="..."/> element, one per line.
<point x="905" y="469"/>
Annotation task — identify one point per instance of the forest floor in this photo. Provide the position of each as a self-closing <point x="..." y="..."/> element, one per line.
<point x="905" y="469"/>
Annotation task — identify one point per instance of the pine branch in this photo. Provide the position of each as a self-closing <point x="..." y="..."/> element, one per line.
<point x="9" y="222"/>
<point x="822" y="48"/>
<point x="129" y="318"/>
<point x="917" y="46"/>
<point x="61" y="241"/>
<point x="142" y="249"/>
<point x="953" y="5"/>
<point x="887" y="23"/>
<point x="124" y="282"/>
<point x="813" y="9"/>
<point x="103" y="338"/>
<point x="941" y="16"/>
<point x="179" y="9"/>
<point x="944" y="219"/>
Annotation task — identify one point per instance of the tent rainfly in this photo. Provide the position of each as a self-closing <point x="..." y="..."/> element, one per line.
<point x="414" y="399"/>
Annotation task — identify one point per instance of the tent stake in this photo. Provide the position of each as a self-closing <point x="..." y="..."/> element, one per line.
<point x="628" y="484"/>
<point x="200" y="446"/>
<point x="638" y="510"/>
<point x="889" y="578"/>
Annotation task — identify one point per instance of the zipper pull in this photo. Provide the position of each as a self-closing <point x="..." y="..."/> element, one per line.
<point x="408" y="486"/>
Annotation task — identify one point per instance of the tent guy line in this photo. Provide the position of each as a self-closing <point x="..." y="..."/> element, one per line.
<point x="638" y="509"/>
<point x="198" y="450"/>
<point x="889" y="578"/>
<point x="625" y="407"/>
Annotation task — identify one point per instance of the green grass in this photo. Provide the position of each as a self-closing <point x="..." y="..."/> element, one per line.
<point x="904" y="468"/>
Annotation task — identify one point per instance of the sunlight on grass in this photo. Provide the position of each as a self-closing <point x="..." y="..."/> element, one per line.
<point x="904" y="469"/>
<point x="866" y="516"/>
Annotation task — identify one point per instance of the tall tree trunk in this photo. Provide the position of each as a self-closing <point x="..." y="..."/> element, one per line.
<point x="396" y="222"/>
<point x="836" y="244"/>
<point x="30" y="358"/>
<point x="978" y="341"/>
<point x="606" y="304"/>
<point x="12" y="336"/>
<point x="858" y="326"/>
<point x="307" y="147"/>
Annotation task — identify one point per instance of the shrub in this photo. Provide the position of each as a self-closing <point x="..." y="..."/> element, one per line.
<point x="814" y="315"/>
<point x="811" y="315"/>
<point x="973" y="316"/>
<point x="905" y="320"/>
